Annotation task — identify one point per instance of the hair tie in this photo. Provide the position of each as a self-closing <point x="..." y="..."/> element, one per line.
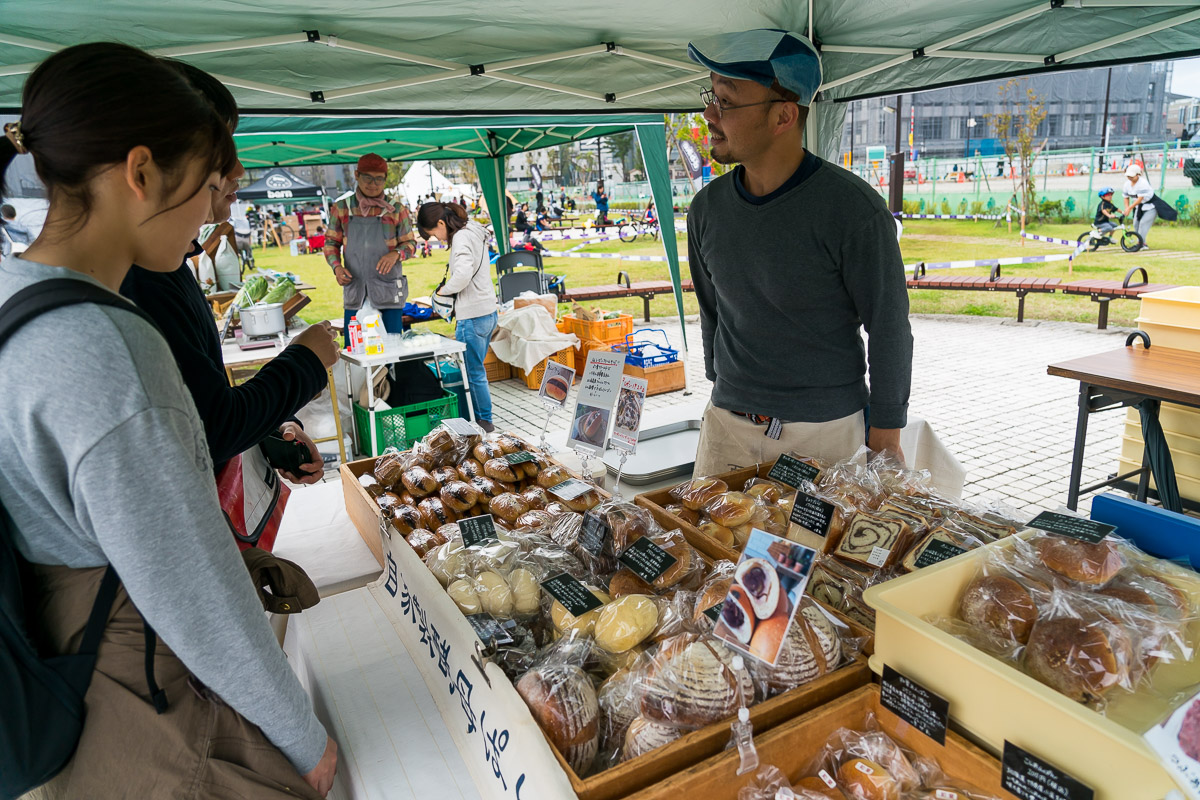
<point x="12" y="131"/>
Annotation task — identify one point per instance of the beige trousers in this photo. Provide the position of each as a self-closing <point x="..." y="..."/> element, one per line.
<point x="729" y="442"/>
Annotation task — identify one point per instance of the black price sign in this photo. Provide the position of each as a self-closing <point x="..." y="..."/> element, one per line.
<point x="476" y="530"/>
<point x="576" y="598"/>
<point x="1030" y="778"/>
<point x="570" y="489"/>
<point x="595" y="534"/>
<point x="714" y="613"/>
<point x="489" y="630"/>
<point x="520" y="458"/>
<point x="647" y="560"/>
<point x="937" y="551"/>
<point x="461" y="427"/>
<point x="1085" y="530"/>
<point x="927" y="712"/>
<point x="793" y="471"/>
<point x="812" y="513"/>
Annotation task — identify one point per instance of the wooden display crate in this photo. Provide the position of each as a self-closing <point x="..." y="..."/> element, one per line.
<point x="793" y="745"/>
<point x="661" y="379"/>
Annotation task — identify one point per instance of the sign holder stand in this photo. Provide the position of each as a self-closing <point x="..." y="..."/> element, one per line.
<point x="620" y="471"/>
<point x="544" y="445"/>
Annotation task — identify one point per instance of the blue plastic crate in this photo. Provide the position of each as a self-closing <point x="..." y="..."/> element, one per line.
<point x="635" y="345"/>
<point x="1159" y="532"/>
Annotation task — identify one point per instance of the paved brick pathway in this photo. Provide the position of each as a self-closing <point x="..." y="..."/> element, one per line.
<point x="980" y="382"/>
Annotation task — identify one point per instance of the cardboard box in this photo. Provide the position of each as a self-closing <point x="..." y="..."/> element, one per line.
<point x="791" y="747"/>
<point x="661" y="379"/>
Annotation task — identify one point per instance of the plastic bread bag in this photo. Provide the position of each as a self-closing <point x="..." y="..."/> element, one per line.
<point x="676" y="615"/>
<point x="699" y="492"/>
<point x="562" y="699"/>
<point x="770" y="783"/>
<point x="688" y="569"/>
<point x="856" y="480"/>
<point x="688" y="515"/>
<point x="767" y="490"/>
<point x="388" y="468"/>
<point x="812" y="647"/>
<point x="620" y="709"/>
<point x="709" y="598"/>
<point x="867" y="765"/>
<point x="610" y="527"/>
<point x="844" y="509"/>
<point x="833" y="583"/>
<point x="447" y="447"/>
<point x="692" y="682"/>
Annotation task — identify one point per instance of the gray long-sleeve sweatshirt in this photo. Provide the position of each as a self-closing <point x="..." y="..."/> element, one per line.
<point x="103" y="459"/>
<point x="783" y="288"/>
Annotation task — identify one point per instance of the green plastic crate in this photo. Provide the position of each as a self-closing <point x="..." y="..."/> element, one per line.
<point x="402" y="425"/>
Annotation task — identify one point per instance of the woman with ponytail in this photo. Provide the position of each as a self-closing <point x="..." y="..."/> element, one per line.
<point x="113" y="505"/>
<point x="468" y="286"/>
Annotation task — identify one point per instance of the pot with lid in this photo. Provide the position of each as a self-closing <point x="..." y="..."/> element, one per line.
<point x="263" y="320"/>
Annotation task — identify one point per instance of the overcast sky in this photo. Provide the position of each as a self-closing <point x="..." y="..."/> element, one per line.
<point x="1186" y="77"/>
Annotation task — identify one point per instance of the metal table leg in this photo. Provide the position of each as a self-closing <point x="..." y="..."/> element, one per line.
<point x="1085" y="393"/>
<point x="460" y="358"/>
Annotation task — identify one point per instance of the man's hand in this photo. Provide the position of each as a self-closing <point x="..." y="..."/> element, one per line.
<point x="342" y="276"/>
<point x="387" y="262"/>
<point x="311" y="472"/>
<point x="321" y="339"/>
<point x="881" y="439"/>
<point x="321" y="776"/>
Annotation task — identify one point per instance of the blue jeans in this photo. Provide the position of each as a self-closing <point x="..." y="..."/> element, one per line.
<point x="476" y="334"/>
<point x="393" y="320"/>
<point x="1106" y="227"/>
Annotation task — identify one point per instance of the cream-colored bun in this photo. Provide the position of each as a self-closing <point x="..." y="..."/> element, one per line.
<point x="463" y="593"/>
<point x="564" y="621"/>
<point x="731" y="509"/>
<point x="526" y="592"/>
<point x="698" y="493"/>
<point x="718" y="533"/>
<point x="866" y="780"/>
<point x="495" y="595"/>
<point x="625" y="623"/>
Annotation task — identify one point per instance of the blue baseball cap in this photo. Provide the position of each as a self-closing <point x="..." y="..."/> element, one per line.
<point x="764" y="55"/>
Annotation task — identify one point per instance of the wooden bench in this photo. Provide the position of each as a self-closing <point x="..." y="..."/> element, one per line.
<point x="1102" y="291"/>
<point x="994" y="282"/>
<point x="647" y="290"/>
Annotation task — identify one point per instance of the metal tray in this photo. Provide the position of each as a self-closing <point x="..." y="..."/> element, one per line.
<point x="665" y="452"/>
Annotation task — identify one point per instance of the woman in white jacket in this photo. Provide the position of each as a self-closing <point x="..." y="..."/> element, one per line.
<point x="469" y="288"/>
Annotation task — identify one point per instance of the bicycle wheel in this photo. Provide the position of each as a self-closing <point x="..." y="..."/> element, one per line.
<point x="628" y="233"/>
<point x="1093" y="244"/>
<point x="1131" y="241"/>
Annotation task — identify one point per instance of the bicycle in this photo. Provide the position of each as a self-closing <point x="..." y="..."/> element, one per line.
<point x="1131" y="241"/>
<point x="631" y="229"/>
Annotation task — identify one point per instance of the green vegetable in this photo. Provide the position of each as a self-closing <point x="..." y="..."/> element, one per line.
<point x="612" y="315"/>
<point x="281" y="292"/>
<point x="251" y="292"/>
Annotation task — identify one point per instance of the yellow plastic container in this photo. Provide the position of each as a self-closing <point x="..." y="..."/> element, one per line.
<point x="1176" y="337"/>
<point x="1189" y="487"/>
<point x="1178" y="420"/>
<point x="995" y="702"/>
<point x="1178" y="306"/>
<point x="1185" y="458"/>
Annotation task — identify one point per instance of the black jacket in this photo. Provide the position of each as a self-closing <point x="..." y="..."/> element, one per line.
<point x="235" y="417"/>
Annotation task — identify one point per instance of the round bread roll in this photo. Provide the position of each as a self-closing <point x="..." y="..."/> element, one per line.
<point x="498" y="469"/>
<point x="444" y="475"/>
<point x="495" y="595"/>
<point x="999" y="605"/>
<point x="533" y="519"/>
<point x="508" y="507"/>
<point x="718" y="533"/>
<point x="564" y="621"/>
<point x="563" y="701"/>
<point x="686" y="514"/>
<point x="767" y="492"/>
<point x="459" y="496"/>
<point x="537" y="497"/>
<point x="584" y="502"/>
<point x="698" y="493"/>
<point x="866" y="780"/>
<point x="1082" y="659"/>
<point x="485" y="451"/>
<point x="1129" y="594"/>
<point x="552" y="476"/>
<point x="423" y="541"/>
<point x="470" y="468"/>
<point x="463" y="593"/>
<point x="419" y="481"/>
<point x="1085" y="562"/>
<point x="625" y="623"/>
<point x="526" y="593"/>
<point x="624" y="582"/>
<point x="447" y="562"/>
<point x="643" y="736"/>
<point x="685" y="562"/>
<point x="628" y="524"/>
<point x="770" y="519"/>
<point x="731" y="509"/>
<point x="406" y="518"/>
<point x="434" y="513"/>
<point x="486" y="486"/>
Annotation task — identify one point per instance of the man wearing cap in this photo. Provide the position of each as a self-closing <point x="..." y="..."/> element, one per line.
<point x="789" y="256"/>
<point x="365" y="242"/>
<point x="1139" y="198"/>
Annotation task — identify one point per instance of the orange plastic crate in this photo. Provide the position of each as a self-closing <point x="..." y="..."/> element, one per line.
<point x="603" y="330"/>
<point x="496" y="369"/>
<point x="533" y="378"/>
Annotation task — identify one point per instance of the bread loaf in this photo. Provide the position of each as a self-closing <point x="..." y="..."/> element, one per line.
<point x="872" y="541"/>
<point x="812" y="648"/>
<point x="470" y="468"/>
<point x="562" y="700"/>
<point x="388" y="470"/>
<point x="695" y="685"/>
<point x="643" y="736"/>
<point x="942" y="535"/>
<point x="419" y="482"/>
<point x="459" y="496"/>
<point x="498" y="469"/>
<point x="508" y="507"/>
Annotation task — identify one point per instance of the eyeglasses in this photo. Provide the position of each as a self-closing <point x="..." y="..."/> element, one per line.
<point x="374" y="180"/>
<point x="709" y="98"/>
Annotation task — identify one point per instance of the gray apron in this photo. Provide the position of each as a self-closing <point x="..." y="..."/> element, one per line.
<point x="365" y="244"/>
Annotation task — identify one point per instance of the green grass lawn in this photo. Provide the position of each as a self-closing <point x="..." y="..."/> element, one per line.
<point x="948" y="241"/>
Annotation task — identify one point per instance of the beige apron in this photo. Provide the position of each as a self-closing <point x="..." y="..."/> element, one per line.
<point x="198" y="748"/>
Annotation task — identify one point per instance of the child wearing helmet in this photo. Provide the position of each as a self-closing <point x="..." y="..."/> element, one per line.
<point x="1106" y="212"/>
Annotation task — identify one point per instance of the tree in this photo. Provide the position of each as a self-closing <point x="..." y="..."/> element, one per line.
<point x="625" y="147"/>
<point x="1016" y="126"/>
<point x="692" y="128"/>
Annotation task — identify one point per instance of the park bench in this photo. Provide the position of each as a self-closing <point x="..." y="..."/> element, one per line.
<point x="646" y="290"/>
<point x="994" y="282"/>
<point x="1104" y="291"/>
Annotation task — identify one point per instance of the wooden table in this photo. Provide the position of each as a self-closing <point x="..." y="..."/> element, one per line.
<point x="1126" y="377"/>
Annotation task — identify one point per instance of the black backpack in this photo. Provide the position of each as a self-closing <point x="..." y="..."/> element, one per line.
<point x="42" y="697"/>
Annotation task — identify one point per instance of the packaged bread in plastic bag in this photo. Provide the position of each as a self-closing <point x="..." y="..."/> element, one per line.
<point x="562" y="699"/>
<point x="692" y="682"/>
<point x="812" y="647"/>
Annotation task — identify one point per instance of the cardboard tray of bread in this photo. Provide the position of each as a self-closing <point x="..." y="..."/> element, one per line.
<point x="1069" y="648"/>
<point x="574" y="668"/>
<point x="852" y="747"/>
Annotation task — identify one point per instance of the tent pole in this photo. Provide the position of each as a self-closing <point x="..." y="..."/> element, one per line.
<point x="652" y="139"/>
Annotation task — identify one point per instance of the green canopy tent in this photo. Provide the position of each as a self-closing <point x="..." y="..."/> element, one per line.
<point x="289" y="141"/>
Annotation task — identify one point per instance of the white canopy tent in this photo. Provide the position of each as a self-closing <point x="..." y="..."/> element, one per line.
<point x="423" y="179"/>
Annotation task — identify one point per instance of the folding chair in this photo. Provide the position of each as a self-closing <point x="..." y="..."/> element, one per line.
<point x="530" y="278"/>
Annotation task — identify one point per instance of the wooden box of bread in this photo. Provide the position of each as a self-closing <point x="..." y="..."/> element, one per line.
<point x="1047" y="699"/>
<point x="795" y="745"/>
<point x="537" y="726"/>
<point x="665" y="509"/>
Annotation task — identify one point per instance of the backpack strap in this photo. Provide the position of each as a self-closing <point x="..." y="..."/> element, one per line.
<point x="24" y="306"/>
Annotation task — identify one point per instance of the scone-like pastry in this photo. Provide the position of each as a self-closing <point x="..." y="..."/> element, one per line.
<point x="422" y="541"/>
<point x="866" y="780"/>
<point x="508" y="507"/>
<point x="419" y="481"/>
